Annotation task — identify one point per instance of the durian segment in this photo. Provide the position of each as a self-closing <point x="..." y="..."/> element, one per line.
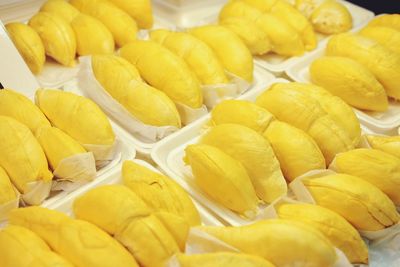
<point x="121" y="213"/>
<point x="20" y="247"/>
<point x="221" y="259"/>
<point x="255" y="153"/>
<point x="256" y="40"/>
<point x="223" y="178"/>
<point x="304" y="112"/>
<point x="28" y="44"/>
<point x="140" y="10"/>
<point x="306" y="7"/>
<point x="339" y="111"/>
<point x="374" y="166"/>
<point x="362" y="204"/>
<point x="122" y="81"/>
<point x="197" y="55"/>
<point x="60" y="8"/>
<point x="119" y="23"/>
<point x="159" y="192"/>
<point x="335" y="228"/>
<point x="176" y="225"/>
<point x="79" y="117"/>
<point x="7" y="192"/>
<point x="229" y="48"/>
<point x="165" y="71"/>
<point x="57" y="36"/>
<point x="331" y="17"/>
<point x="57" y="145"/>
<point x="386" y="36"/>
<point x="92" y="36"/>
<point x="382" y="62"/>
<point x="282" y="242"/>
<point x="21" y="155"/>
<point x="81" y="243"/>
<point x="387" y="20"/>
<point x="19" y="107"/>
<point x="296" y="151"/>
<point x="349" y="80"/>
<point x="284" y="39"/>
<point x="241" y="112"/>
<point x="388" y="144"/>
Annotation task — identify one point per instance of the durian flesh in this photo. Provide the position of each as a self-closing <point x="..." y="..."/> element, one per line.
<point x="387" y="20"/>
<point x="7" y="192"/>
<point x="386" y="36"/>
<point x="29" y="45"/>
<point x="351" y="81"/>
<point x="362" y="204"/>
<point x="139" y="10"/>
<point x="60" y="8"/>
<point x="255" y="153"/>
<point x="388" y="144"/>
<point x="331" y="17"/>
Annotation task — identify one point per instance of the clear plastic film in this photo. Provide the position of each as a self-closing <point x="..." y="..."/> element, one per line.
<point x="92" y="88"/>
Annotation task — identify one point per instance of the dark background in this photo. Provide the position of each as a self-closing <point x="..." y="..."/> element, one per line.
<point x="379" y="6"/>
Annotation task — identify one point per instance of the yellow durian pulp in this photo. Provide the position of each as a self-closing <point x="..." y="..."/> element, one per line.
<point x="165" y="71"/>
<point x="60" y="8"/>
<point x="29" y="45"/>
<point x="386" y="36"/>
<point x="80" y="117"/>
<point x="223" y="178"/>
<point x="350" y="81"/>
<point x="122" y="81"/>
<point x="335" y="228"/>
<point x="140" y="10"/>
<point x="362" y="204"/>
<point x="331" y="17"/>
<point x="7" y="192"/>
<point x="386" y="20"/>
<point x="388" y="144"/>
<point x="255" y="153"/>
<point x="382" y="62"/>
<point x="57" y="36"/>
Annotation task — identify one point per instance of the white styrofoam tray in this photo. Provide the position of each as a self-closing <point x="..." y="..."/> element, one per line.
<point x="169" y="152"/>
<point x="114" y="177"/>
<point x="379" y="122"/>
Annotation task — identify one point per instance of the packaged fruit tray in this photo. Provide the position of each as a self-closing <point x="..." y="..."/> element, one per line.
<point x="114" y="177"/>
<point x="379" y="122"/>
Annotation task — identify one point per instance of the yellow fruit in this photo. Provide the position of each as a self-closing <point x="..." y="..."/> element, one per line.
<point x="335" y="228"/>
<point x="7" y="192"/>
<point x="374" y="166"/>
<point x="230" y="50"/>
<point x="176" y="225"/>
<point x="306" y="7"/>
<point x="92" y="36"/>
<point x="159" y="192"/>
<point x="222" y="259"/>
<point x="197" y="55"/>
<point x="139" y="10"/>
<point x="79" y="117"/>
<point x="383" y="63"/>
<point x="331" y="17"/>
<point x="338" y="110"/>
<point x="119" y="23"/>
<point x="117" y="210"/>
<point x="21" y="155"/>
<point x="284" y="39"/>
<point x="282" y="242"/>
<point x="57" y="145"/>
<point x="386" y="36"/>
<point x="29" y="45"/>
<point x="254" y="153"/>
<point x="388" y="144"/>
<point x="20" y="247"/>
<point x="80" y="242"/>
<point x="350" y="81"/>
<point x="57" y="36"/>
<point x="122" y="81"/>
<point x="359" y="202"/>
<point x="60" y="8"/>
<point x="19" y="107"/>
<point x="223" y="178"/>
<point x="241" y="112"/>
<point x="256" y="40"/>
<point x="387" y="20"/>
<point x="165" y="71"/>
<point x="304" y="112"/>
<point x="296" y="151"/>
